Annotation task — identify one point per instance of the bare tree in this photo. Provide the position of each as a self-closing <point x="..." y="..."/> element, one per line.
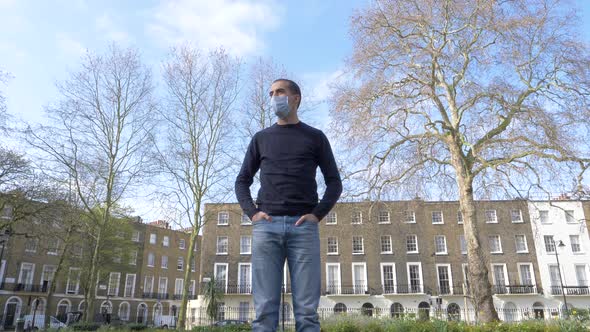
<point x="480" y="94"/>
<point x="97" y="141"/>
<point x="202" y="91"/>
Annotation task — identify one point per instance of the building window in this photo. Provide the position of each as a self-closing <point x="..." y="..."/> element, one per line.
<point x="581" y="275"/>
<point x="52" y="246"/>
<point x="521" y="244"/>
<point x="31" y="244"/>
<point x="384" y="217"/>
<point x="180" y="264"/>
<point x="135" y="236"/>
<point x="409" y="217"/>
<point x="333" y="278"/>
<point x="114" y="279"/>
<point x="549" y="244"/>
<point x="220" y="275"/>
<point x="151" y="259"/>
<point x="223" y="218"/>
<point x="437" y="218"/>
<point x="388" y="277"/>
<point x="193" y="264"/>
<point x="166" y="241"/>
<point x="357" y="245"/>
<point x="124" y="311"/>
<point x="222" y="244"/>
<point x="463" y="244"/>
<point x="244" y="278"/>
<point x="491" y="217"/>
<point x="575" y="241"/>
<point x="332" y="245"/>
<point x="415" y="277"/>
<point x="569" y="216"/>
<point x="192" y="289"/>
<point x="245" y="245"/>
<point x="443" y="273"/>
<point x="153" y="238"/>
<point x="163" y="285"/>
<point x="331" y="218"/>
<point x="73" y="284"/>
<point x="129" y="285"/>
<point x="386" y="247"/>
<point x="495" y="244"/>
<point x="359" y="278"/>
<point x="133" y="257"/>
<point x="459" y="217"/>
<point x="499" y="276"/>
<point x="164" y="262"/>
<point x="440" y="244"/>
<point x="357" y="217"/>
<point x="148" y="285"/>
<point x="544" y="216"/>
<point x="525" y="272"/>
<point x="245" y="220"/>
<point x="181" y="244"/>
<point x="117" y="253"/>
<point x="178" y="287"/>
<point x="516" y="216"/>
<point x="412" y="244"/>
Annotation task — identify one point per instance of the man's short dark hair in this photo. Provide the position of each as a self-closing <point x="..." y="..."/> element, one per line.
<point x="292" y="86"/>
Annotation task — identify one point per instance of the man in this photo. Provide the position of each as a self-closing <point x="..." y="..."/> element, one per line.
<point x="285" y="220"/>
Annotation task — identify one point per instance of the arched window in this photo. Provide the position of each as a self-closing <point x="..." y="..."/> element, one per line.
<point x="397" y="310"/>
<point x="367" y="309"/>
<point x="124" y="311"/>
<point x="423" y="311"/>
<point x="454" y="312"/>
<point x="340" y="308"/>
<point x="63" y="307"/>
<point x="12" y="311"/>
<point x="142" y="313"/>
<point x="510" y="312"/>
<point x="539" y="310"/>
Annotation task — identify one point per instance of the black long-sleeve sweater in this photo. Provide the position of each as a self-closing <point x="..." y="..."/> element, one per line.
<point x="288" y="157"/>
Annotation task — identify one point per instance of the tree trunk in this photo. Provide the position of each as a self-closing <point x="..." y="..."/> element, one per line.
<point x="189" y="258"/>
<point x="52" y="285"/>
<point x="93" y="280"/>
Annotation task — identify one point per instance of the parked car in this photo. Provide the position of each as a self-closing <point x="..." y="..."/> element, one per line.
<point x="227" y="322"/>
<point x="40" y="322"/>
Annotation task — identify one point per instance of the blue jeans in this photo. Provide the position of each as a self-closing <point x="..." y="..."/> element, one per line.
<point x="272" y="243"/>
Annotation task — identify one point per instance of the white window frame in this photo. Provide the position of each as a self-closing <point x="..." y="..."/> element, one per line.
<point x="581" y="251"/>
<point x="337" y="285"/>
<point x="366" y="285"/>
<point x="521" y="219"/>
<point x="526" y="245"/>
<point x="501" y="251"/>
<point x="133" y="257"/>
<point x="151" y="254"/>
<point x="20" y="274"/>
<point x="446" y="252"/>
<point x="506" y="280"/>
<point x="151" y="285"/>
<point x="125" y="294"/>
<point x="249" y="251"/>
<point x="53" y="251"/>
<point x="332" y="218"/>
<point x="460" y="219"/>
<point x="572" y="219"/>
<point x="362" y="252"/>
<point x="178" y="290"/>
<point x="217" y="252"/>
<point x="245" y="220"/>
<point x="165" y="241"/>
<point x="249" y="285"/>
<point x="180" y="264"/>
<point x="192" y="288"/>
<point x="585" y="267"/>
<point x="421" y="276"/>
<point x="35" y="242"/>
<point x="116" y="290"/>
<point x="547" y="221"/>
<point x="531" y="267"/>
<point x="135" y="236"/>
<point x="381" y="265"/>
<point x="181" y="244"/>
<point x="164" y="260"/>
<point x="450" y="276"/>
<point x="328" y="252"/>
<point x="545" y="244"/>
<point x="357" y="217"/>
<point x="409" y="217"/>
<point x="417" y="247"/>
<point x="165" y="288"/>
<point x="69" y="282"/>
<point x="222" y="218"/>
<point x="153" y="238"/>
<point x="390" y="251"/>
<point x="442" y="218"/>
<point x="386" y="215"/>
<point x="462" y="236"/>
<point x="493" y="220"/>
<point x="226" y="272"/>
<point x="44" y="273"/>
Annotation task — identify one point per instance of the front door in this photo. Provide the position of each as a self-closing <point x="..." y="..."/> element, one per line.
<point x="10" y="313"/>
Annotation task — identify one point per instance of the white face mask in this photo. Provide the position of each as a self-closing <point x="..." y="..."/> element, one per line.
<point x="280" y="106"/>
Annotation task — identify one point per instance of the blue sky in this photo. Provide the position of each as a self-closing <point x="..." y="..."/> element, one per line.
<point x="42" y="40"/>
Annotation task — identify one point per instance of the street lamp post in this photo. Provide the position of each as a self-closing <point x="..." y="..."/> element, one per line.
<point x="561" y="245"/>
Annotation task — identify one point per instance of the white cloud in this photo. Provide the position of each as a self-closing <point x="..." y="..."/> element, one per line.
<point x="109" y="29"/>
<point x="320" y="82"/>
<point x="235" y="25"/>
<point x="69" y="46"/>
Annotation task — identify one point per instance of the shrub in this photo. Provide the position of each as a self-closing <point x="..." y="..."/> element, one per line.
<point x="83" y="326"/>
<point x="136" y="327"/>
